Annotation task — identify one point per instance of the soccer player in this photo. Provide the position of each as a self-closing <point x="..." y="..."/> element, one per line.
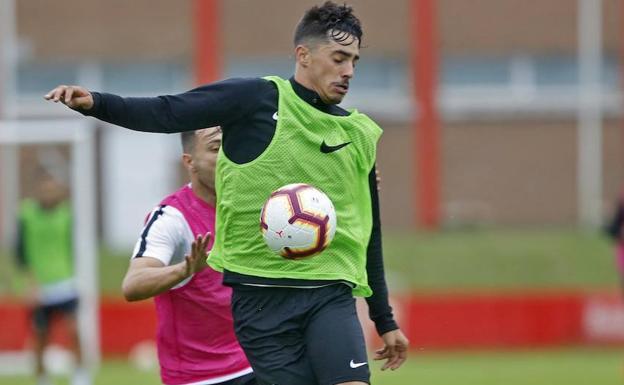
<point x="196" y="341"/>
<point x="295" y="319"/>
<point x="45" y="252"/>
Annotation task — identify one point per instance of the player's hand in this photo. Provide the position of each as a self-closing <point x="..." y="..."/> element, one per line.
<point x="378" y="178"/>
<point x="394" y="350"/>
<point x="75" y="97"/>
<point x="197" y="260"/>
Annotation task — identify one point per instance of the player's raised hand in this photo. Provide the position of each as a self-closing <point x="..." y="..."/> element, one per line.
<point x="197" y="260"/>
<point x="72" y="96"/>
<point x="394" y="350"/>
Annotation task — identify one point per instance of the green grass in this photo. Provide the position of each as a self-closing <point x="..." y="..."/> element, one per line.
<point x="538" y="367"/>
<point x="111" y="372"/>
<point x="499" y="259"/>
<point x="526" y="367"/>
<point x="478" y="259"/>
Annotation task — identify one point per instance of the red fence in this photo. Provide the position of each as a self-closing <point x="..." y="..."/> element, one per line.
<point x="434" y="321"/>
<point x="123" y="325"/>
<point x="468" y="321"/>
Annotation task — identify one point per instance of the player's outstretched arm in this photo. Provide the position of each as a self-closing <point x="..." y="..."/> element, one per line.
<point x="75" y="97"/>
<point x="394" y="350"/>
<point x="147" y="276"/>
<point x="215" y="104"/>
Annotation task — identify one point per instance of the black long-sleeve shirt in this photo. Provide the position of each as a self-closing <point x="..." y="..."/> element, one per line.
<point x="244" y="109"/>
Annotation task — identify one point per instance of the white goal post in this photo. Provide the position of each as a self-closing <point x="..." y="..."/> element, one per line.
<point x="79" y="134"/>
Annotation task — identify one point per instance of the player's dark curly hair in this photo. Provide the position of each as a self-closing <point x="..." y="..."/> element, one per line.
<point x="329" y="20"/>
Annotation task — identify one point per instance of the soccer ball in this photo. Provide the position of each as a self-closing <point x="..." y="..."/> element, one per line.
<point x="297" y="221"/>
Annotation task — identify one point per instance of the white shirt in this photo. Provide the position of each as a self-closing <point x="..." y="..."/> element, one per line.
<point x="166" y="236"/>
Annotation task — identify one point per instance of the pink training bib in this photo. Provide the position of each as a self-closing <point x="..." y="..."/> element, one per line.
<point x="196" y="340"/>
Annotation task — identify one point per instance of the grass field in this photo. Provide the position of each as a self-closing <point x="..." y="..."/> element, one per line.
<point x="500" y="259"/>
<point x="478" y="259"/>
<point x="535" y="367"/>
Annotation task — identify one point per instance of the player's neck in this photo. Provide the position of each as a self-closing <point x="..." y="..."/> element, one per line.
<point x="303" y="80"/>
<point x="203" y="192"/>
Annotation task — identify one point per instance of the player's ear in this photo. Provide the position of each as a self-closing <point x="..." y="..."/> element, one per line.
<point x="187" y="161"/>
<point x="302" y="54"/>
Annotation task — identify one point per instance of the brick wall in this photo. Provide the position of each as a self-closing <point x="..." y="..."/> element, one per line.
<point x="153" y="29"/>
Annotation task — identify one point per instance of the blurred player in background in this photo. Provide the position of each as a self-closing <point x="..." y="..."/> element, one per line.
<point x="295" y="319"/>
<point x="615" y="229"/>
<point x="44" y="251"/>
<point x="196" y="341"/>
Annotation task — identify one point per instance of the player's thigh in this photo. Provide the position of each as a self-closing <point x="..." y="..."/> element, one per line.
<point x="335" y="341"/>
<point x="41" y="317"/>
<point x="69" y="311"/>
<point x="269" y="331"/>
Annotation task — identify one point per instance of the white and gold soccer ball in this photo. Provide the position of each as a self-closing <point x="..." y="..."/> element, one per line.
<point x="297" y="221"/>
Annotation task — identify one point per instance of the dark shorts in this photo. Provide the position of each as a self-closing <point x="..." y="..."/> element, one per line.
<point x="42" y="315"/>
<point x="300" y="336"/>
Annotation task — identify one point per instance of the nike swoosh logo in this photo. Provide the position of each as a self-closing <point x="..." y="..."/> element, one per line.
<point x="354" y="365"/>
<point x="275" y="116"/>
<point x="326" y="149"/>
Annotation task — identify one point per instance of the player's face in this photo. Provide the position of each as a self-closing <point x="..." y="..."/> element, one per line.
<point x="50" y="192"/>
<point x="332" y="66"/>
<point x="204" y="157"/>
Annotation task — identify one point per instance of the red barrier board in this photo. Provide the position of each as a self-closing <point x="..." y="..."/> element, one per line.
<point x="14" y="325"/>
<point x="431" y="321"/>
<point x="123" y="325"/>
<point x="494" y="321"/>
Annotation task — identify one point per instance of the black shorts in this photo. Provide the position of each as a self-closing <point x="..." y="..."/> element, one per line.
<point x="300" y="336"/>
<point x="42" y="315"/>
